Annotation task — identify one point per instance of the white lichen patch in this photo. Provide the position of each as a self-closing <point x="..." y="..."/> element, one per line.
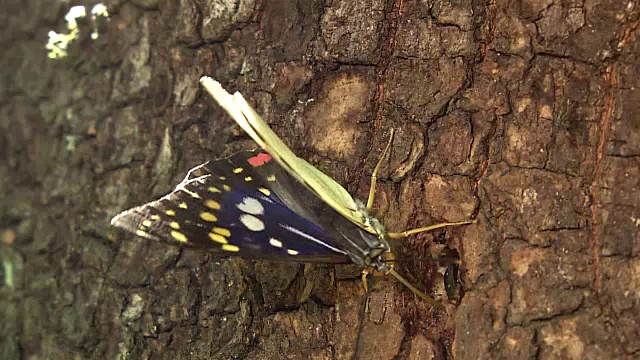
<point x="58" y="44"/>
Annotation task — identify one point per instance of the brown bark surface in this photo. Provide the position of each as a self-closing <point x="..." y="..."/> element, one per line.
<point x="524" y="115"/>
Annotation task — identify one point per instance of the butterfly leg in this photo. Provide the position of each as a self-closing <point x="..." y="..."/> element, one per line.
<point x="366" y="282"/>
<point x="364" y="279"/>
<point x="390" y="257"/>
<point x="415" y="290"/>
<point x="397" y="235"/>
<point x="374" y="175"/>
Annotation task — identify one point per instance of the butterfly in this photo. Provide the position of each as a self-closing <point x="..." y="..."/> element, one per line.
<point x="268" y="203"/>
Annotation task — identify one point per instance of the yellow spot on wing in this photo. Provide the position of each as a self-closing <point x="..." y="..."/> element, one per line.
<point x="226" y="187"/>
<point x="213" y="189"/>
<point x="174" y="225"/>
<point x="155" y="217"/>
<point x="207" y="216"/>
<point x="237" y="170"/>
<point x="222" y="178"/>
<point x="218" y="238"/>
<point x="170" y="213"/>
<point x="179" y="236"/>
<point x="292" y="252"/>
<point x="221" y="231"/>
<point x="143" y="234"/>
<point x="230" y="248"/>
<point x="265" y="191"/>
<point x="183" y="205"/>
<point x="248" y="178"/>
<point x="271" y="178"/>
<point x="146" y="223"/>
<point x="212" y="204"/>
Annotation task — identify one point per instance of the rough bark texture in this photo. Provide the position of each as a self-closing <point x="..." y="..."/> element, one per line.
<point x="524" y="114"/>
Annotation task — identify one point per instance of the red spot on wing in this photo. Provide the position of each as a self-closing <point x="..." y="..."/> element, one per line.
<point x="259" y="159"/>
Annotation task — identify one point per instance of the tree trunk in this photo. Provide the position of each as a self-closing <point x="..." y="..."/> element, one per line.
<point x="523" y="115"/>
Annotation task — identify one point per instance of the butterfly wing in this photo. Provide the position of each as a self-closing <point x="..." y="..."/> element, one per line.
<point x="238" y="206"/>
<point x="316" y="181"/>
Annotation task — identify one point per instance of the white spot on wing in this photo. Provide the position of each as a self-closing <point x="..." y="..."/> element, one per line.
<point x="251" y="206"/>
<point x="251" y="222"/>
<point x="275" y="242"/>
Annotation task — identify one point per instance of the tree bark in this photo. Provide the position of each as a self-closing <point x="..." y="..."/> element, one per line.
<point x="522" y="115"/>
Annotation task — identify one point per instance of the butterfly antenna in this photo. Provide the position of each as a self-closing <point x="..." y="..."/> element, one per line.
<point x="374" y="174"/>
<point x="415" y="290"/>
<point x="398" y="235"/>
<point x="444" y="259"/>
<point x="363" y="313"/>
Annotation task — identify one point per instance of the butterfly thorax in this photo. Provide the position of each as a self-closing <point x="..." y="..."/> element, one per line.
<point x="378" y="247"/>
